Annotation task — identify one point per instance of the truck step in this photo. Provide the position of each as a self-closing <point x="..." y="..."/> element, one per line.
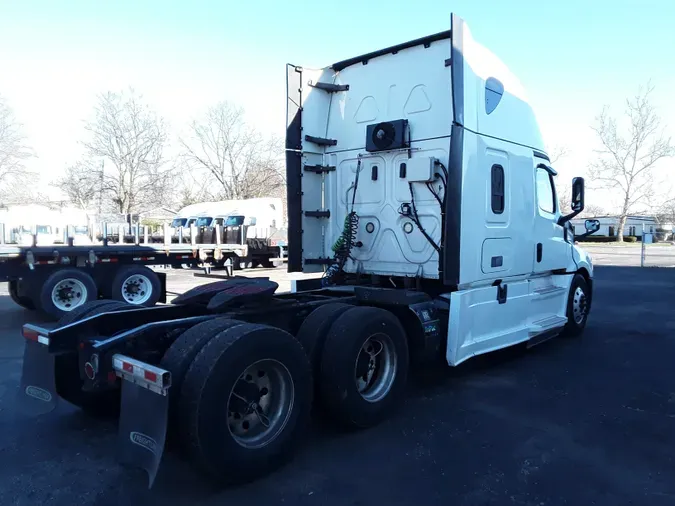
<point x="321" y="141"/>
<point x="319" y="169"/>
<point x="330" y="87"/>
<point x="549" y="290"/>
<point x="318" y="214"/>
<point x="549" y="323"/>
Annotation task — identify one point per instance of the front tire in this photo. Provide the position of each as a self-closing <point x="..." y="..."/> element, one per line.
<point x="245" y="402"/>
<point x="578" y="306"/>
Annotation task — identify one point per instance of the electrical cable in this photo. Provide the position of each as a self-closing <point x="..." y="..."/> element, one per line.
<point x="416" y="219"/>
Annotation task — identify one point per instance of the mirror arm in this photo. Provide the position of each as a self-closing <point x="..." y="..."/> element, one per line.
<point x="586" y="234"/>
<point x="564" y="219"/>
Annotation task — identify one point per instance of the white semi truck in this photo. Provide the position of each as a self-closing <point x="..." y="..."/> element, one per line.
<point x="420" y="191"/>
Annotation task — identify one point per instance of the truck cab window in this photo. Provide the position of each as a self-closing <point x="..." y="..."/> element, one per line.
<point x="545" y="191"/>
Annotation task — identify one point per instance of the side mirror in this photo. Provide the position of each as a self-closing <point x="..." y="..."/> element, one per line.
<point x="592" y="226"/>
<point x="577" y="200"/>
<point x="578" y="194"/>
<point x="250" y="221"/>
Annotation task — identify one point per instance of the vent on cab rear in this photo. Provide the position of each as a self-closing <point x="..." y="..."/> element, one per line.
<point x="387" y="135"/>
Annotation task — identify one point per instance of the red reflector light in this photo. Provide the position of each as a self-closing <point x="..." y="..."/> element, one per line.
<point x="128" y="367"/>
<point x="151" y="376"/>
<point x="29" y="334"/>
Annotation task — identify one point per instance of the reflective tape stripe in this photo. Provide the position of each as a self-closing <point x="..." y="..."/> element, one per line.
<point x="148" y="376"/>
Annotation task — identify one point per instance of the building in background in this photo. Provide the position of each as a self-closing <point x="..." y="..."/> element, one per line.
<point x="634" y="226"/>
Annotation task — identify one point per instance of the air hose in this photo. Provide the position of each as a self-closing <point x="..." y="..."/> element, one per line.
<point x="342" y="248"/>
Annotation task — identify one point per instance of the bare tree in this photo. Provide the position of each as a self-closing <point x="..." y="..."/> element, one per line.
<point x="14" y="177"/>
<point x="557" y="153"/>
<point x="243" y="162"/>
<point x="82" y="183"/>
<point x="628" y="156"/>
<point x="130" y="138"/>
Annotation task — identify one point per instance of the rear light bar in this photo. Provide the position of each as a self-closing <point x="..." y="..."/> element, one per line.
<point x="142" y="374"/>
<point x="33" y="333"/>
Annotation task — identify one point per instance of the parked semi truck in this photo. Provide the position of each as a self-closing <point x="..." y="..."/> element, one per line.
<point x="420" y="191"/>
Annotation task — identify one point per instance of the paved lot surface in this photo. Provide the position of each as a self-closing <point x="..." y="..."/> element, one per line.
<point x="571" y="422"/>
<point x="656" y="255"/>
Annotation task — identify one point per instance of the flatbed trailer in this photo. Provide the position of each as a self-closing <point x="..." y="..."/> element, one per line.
<point x="56" y="279"/>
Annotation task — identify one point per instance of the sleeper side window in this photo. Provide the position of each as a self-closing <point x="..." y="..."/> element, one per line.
<point x="545" y="193"/>
<point x="497" y="189"/>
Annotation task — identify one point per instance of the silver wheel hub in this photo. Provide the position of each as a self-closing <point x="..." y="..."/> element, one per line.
<point x="69" y="293"/>
<point x="579" y="305"/>
<point x="136" y="289"/>
<point x="260" y="403"/>
<point x="375" y="368"/>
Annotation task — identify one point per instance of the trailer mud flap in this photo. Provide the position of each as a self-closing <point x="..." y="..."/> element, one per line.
<point x="37" y="395"/>
<point x="144" y="414"/>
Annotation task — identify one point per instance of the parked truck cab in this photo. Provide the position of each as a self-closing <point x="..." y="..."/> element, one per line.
<point x="420" y="193"/>
<point x="425" y="165"/>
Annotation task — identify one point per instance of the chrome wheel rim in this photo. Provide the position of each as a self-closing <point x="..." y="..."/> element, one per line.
<point x="136" y="289"/>
<point x="375" y="367"/>
<point x="579" y="306"/>
<point x="69" y="293"/>
<point x="260" y="403"/>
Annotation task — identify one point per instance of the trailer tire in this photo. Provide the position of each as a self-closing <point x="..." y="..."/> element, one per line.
<point x="64" y="290"/>
<point x="182" y="352"/>
<point x="313" y="331"/>
<point x="137" y="285"/>
<point x="67" y="367"/>
<point x="578" y="306"/>
<point x="24" y="302"/>
<point x="244" y="357"/>
<point x="351" y="347"/>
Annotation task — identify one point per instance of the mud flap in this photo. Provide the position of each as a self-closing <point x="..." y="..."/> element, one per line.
<point x="144" y="414"/>
<point x="37" y="395"/>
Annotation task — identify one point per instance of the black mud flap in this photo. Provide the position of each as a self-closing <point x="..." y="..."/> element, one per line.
<point x="37" y="395"/>
<point x="142" y="427"/>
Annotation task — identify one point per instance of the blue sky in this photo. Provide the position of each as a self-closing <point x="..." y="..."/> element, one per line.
<point x="573" y="57"/>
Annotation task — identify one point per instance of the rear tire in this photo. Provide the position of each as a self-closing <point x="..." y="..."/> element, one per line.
<point x="24" y="302"/>
<point x="313" y="331"/>
<point x="227" y="448"/>
<point x="64" y="290"/>
<point x="137" y="285"/>
<point x="180" y="355"/>
<point x="364" y="367"/>
<point x="67" y="367"/>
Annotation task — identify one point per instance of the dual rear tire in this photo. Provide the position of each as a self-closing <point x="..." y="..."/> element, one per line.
<point x="64" y="290"/>
<point x="242" y="396"/>
<point x="241" y="393"/>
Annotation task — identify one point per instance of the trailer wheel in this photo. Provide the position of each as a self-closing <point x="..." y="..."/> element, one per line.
<point x="245" y="402"/>
<point x="364" y="366"/>
<point x="314" y="329"/>
<point x="137" y="285"/>
<point x="182" y="352"/>
<point x="67" y="367"/>
<point x="64" y="290"/>
<point x="578" y="306"/>
<point x="24" y="302"/>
